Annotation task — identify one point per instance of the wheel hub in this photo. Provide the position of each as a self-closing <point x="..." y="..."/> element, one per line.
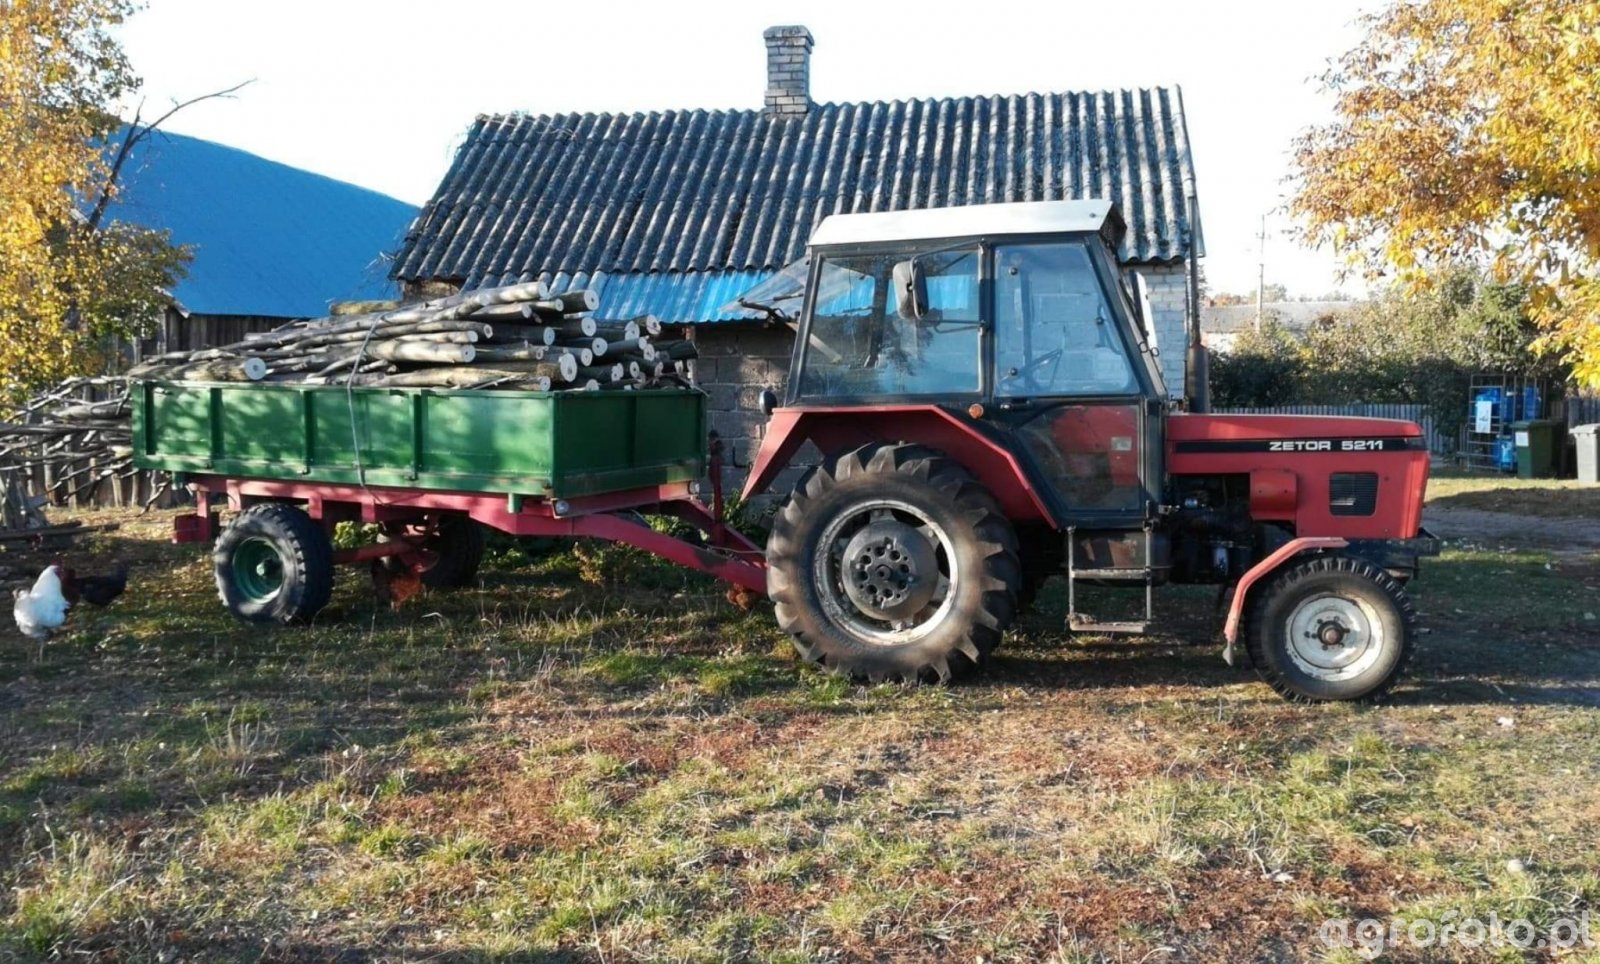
<point x="1332" y="637"/>
<point x="890" y="570"/>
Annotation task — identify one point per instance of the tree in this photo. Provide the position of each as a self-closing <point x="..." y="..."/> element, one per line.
<point x="67" y="280"/>
<point x="1469" y="131"/>
<point x="1411" y="344"/>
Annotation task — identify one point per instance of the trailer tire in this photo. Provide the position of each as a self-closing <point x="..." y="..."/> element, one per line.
<point x="459" y="548"/>
<point x="922" y="515"/>
<point x="1301" y="621"/>
<point x="274" y="564"/>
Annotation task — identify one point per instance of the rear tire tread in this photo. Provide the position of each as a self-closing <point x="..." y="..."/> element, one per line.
<point x="995" y="543"/>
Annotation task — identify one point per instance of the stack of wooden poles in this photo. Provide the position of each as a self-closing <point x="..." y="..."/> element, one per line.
<point x="62" y="445"/>
<point x="516" y="337"/>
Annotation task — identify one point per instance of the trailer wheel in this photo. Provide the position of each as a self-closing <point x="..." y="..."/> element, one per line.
<point x="274" y="564"/>
<point x="458" y="547"/>
<point x="893" y="563"/>
<point x="1331" y="628"/>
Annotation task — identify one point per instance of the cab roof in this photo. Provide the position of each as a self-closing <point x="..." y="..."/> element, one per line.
<point x="976" y="220"/>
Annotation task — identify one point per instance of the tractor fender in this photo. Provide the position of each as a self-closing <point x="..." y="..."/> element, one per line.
<point x="1259" y="571"/>
<point x="836" y="431"/>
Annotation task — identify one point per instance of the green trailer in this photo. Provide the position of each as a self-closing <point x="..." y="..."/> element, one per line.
<point x="430" y="468"/>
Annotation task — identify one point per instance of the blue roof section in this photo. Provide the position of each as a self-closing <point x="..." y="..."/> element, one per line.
<point x="675" y="298"/>
<point x="697" y="194"/>
<point x="267" y="238"/>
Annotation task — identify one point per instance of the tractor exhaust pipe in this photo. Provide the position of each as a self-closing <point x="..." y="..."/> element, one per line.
<point x="1197" y="360"/>
<point x="1197" y="371"/>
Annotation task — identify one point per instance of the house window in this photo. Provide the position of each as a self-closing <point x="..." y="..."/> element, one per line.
<point x="859" y="345"/>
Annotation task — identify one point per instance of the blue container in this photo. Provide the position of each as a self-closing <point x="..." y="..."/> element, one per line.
<point x="1505" y="453"/>
<point x="1530" y="405"/>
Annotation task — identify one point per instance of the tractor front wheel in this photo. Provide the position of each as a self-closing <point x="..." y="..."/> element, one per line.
<point x="274" y="564"/>
<point x="893" y="563"/>
<point x="1331" y="628"/>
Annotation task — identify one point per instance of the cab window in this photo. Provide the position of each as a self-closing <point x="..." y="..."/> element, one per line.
<point x="858" y="344"/>
<point x="1054" y="333"/>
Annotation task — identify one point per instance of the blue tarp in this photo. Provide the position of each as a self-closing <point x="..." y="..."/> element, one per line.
<point x="267" y="238"/>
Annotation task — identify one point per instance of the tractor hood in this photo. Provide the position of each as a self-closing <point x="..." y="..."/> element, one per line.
<point x="1291" y="433"/>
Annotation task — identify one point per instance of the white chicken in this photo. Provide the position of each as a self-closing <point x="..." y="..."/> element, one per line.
<point x="42" y="609"/>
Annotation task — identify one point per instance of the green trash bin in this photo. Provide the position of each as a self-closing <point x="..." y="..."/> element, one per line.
<point x="1539" y="443"/>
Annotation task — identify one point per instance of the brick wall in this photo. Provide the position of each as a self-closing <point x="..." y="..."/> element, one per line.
<point x="736" y="362"/>
<point x="1168" y="288"/>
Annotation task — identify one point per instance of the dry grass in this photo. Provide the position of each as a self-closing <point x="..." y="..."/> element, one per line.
<point x="552" y="769"/>
<point x="1541" y="498"/>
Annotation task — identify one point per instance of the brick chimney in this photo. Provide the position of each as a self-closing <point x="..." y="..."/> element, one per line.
<point x="788" y="71"/>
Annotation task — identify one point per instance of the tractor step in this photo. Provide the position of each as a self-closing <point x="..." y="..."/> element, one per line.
<point x="1080" y="623"/>
<point x="1139" y="575"/>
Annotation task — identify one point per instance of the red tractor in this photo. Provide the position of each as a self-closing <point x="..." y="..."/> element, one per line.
<point x="986" y="397"/>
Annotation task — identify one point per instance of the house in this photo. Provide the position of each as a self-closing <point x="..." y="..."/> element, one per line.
<point x="678" y="213"/>
<point x="1220" y="325"/>
<point x="270" y="242"/>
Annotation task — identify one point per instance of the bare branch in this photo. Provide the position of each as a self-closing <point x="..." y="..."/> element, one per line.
<point x="137" y="133"/>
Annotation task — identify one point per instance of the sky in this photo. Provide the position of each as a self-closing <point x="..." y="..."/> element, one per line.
<point x="380" y="93"/>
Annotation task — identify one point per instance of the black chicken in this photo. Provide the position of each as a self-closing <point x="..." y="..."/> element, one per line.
<point x="94" y="590"/>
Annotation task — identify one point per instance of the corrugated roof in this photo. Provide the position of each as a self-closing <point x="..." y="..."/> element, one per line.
<point x="673" y="297"/>
<point x="717" y="191"/>
<point x="268" y="239"/>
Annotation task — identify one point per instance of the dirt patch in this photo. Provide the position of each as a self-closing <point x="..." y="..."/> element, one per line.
<point x="1478" y="525"/>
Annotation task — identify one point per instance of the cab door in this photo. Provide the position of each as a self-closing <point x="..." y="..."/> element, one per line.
<point x="1070" y="384"/>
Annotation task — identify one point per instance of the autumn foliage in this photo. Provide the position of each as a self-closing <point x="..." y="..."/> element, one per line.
<point x="67" y="281"/>
<point x="1468" y="131"/>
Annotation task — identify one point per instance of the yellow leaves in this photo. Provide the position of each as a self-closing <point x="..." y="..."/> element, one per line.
<point x="60" y="73"/>
<point x="1468" y="129"/>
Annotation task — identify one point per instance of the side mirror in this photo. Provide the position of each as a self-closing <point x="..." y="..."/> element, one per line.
<point x="767" y="401"/>
<point x="910" y="290"/>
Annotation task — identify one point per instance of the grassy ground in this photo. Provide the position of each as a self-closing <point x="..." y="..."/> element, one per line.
<point x="594" y="757"/>
<point x="1542" y="498"/>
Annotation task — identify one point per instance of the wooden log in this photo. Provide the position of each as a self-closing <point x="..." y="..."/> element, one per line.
<point x="597" y="346"/>
<point x="602" y="373"/>
<point x="641" y="346"/>
<point x="583" y="356"/>
<point x="512" y="313"/>
<point x="538" y="334"/>
<point x="441" y="337"/>
<point x="461" y="376"/>
<point x="678" y="350"/>
<point x="523" y="352"/>
<point x="415" y="351"/>
<point x="525" y="291"/>
<point x="583" y="327"/>
<point x="611" y="331"/>
<point x="583" y="299"/>
<point x="562" y="368"/>
<point x="225" y="370"/>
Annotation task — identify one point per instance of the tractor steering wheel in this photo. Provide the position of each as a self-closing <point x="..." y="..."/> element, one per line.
<point x="1026" y="374"/>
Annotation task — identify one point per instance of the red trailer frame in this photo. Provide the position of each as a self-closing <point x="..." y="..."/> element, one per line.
<point x="726" y="553"/>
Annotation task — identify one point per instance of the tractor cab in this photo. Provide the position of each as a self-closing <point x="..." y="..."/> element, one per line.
<point x="1017" y="310"/>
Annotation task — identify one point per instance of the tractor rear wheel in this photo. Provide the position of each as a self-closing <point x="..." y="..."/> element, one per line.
<point x="1331" y="628"/>
<point x="274" y="564"/>
<point x="893" y="563"/>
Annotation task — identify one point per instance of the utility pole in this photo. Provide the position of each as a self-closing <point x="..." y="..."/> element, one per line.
<point x="1261" y="271"/>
